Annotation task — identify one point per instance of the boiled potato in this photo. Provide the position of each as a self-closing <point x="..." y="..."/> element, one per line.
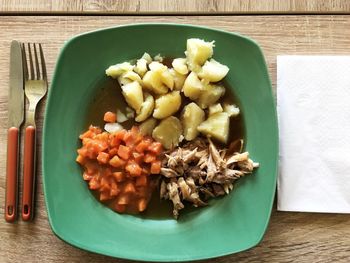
<point x="197" y="52"/>
<point x="179" y="65"/>
<point x="146" y="128"/>
<point x="133" y="95"/>
<point x="158" y="58"/>
<point x="213" y="71"/>
<point x="128" y="77"/>
<point x="231" y="109"/>
<point x="157" y="66"/>
<point x="210" y="95"/>
<point x="147" y="57"/>
<point x="146" y="108"/>
<point x="115" y="71"/>
<point x="141" y="67"/>
<point x="215" y="108"/>
<point x="165" y="76"/>
<point x="152" y="81"/>
<point x="192" y="87"/>
<point x="179" y="79"/>
<point x="216" y="126"/>
<point x="167" y="105"/>
<point x="192" y="116"/>
<point x="168" y="132"/>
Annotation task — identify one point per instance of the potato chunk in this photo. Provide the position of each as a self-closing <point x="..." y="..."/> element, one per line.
<point x="128" y="77"/>
<point x="179" y="65"/>
<point x="168" y="132"/>
<point x="216" y="126"/>
<point x="193" y="87"/>
<point x="146" y="128"/>
<point x="179" y="79"/>
<point x="192" y="116"/>
<point x="141" y="67"/>
<point x="215" y="108"/>
<point x="153" y="82"/>
<point x="133" y="95"/>
<point x="146" y="108"/>
<point x="231" y="109"/>
<point x="213" y="71"/>
<point x="116" y="70"/>
<point x="210" y="95"/>
<point x="198" y="51"/>
<point x="167" y="105"/>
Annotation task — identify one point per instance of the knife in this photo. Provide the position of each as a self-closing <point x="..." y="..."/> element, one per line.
<point x="15" y="119"/>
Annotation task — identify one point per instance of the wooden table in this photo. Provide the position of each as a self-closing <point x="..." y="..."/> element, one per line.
<point x="300" y="237"/>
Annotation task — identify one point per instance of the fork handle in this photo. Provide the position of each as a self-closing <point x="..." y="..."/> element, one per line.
<point x="28" y="173"/>
<point x="12" y="174"/>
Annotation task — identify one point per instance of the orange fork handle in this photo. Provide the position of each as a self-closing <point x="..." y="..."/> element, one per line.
<point x="28" y="174"/>
<point x="12" y="174"/>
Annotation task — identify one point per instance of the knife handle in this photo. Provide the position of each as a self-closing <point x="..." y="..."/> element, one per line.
<point x="28" y="174"/>
<point x="12" y="174"/>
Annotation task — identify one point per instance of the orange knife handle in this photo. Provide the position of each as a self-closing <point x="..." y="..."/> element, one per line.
<point x="28" y="174"/>
<point x="12" y="174"/>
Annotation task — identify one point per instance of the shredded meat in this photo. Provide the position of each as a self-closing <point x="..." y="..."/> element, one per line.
<point x="198" y="171"/>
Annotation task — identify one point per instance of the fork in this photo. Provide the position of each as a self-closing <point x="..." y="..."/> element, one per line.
<point x="35" y="88"/>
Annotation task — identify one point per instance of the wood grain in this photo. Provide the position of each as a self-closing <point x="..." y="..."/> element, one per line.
<point x="175" y="6"/>
<point x="301" y="237"/>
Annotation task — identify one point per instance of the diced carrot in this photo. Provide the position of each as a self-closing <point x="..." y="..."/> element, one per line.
<point x="141" y="204"/>
<point x="155" y="167"/>
<point x="102" y="138"/>
<point x="124" y="152"/>
<point x="87" y="134"/>
<point x="87" y="177"/>
<point x="119" y="176"/>
<point x="82" y="151"/>
<point x="117" y="162"/>
<point x="120" y="134"/>
<point x="133" y="168"/>
<point x="120" y="208"/>
<point x="146" y="170"/>
<point x="138" y="157"/>
<point x="103" y="157"/>
<point x="113" y="151"/>
<point x="142" y="146"/>
<point x="110" y="117"/>
<point x="91" y="167"/>
<point x="94" y="129"/>
<point x="80" y="159"/>
<point x="141" y="180"/>
<point x="123" y="199"/>
<point x="114" y="189"/>
<point x="105" y="196"/>
<point x="94" y="183"/>
<point x="155" y="147"/>
<point x="129" y="188"/>
<point x="114" y="140"/>
<point x="105" y="171"/>
<point x="149" y="158"/>
<point x="104" y="184"/>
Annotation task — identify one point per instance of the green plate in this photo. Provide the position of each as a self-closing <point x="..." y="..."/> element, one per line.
<point x="231" y="224"/>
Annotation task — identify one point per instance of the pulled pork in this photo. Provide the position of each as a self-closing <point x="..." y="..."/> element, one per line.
<point x="198" y="171"/>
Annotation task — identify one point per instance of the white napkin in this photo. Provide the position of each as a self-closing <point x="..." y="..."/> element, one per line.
<point x="313" y="104"/>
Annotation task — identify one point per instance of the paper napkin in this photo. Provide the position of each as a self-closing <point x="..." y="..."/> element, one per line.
<point x="313" y="104"/>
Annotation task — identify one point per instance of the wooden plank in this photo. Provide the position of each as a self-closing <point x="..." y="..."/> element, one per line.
<point x="174" y="6"/>
<point x="304" y="237"/>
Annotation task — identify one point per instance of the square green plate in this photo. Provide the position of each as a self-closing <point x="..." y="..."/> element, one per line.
<point x="231" y="224"/>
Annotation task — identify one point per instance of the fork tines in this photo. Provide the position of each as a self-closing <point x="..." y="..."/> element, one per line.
<point x="37" y="69"/>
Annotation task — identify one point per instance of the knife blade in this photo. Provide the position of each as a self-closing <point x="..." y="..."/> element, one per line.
<point x="15" y="120"/>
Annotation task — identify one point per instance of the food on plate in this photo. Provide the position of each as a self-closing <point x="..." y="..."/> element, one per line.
<point x="198" y="171"/>
<point x="192" y="117"/>
<point x="216" y="126"/>
<point x="166" y="105"/>
<point x="133" y="95"/>
<point x="168" y="132"/>
<point x="177" y="131"/>
<point x="146" y="108"/>
<point x="120" y="167"/>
